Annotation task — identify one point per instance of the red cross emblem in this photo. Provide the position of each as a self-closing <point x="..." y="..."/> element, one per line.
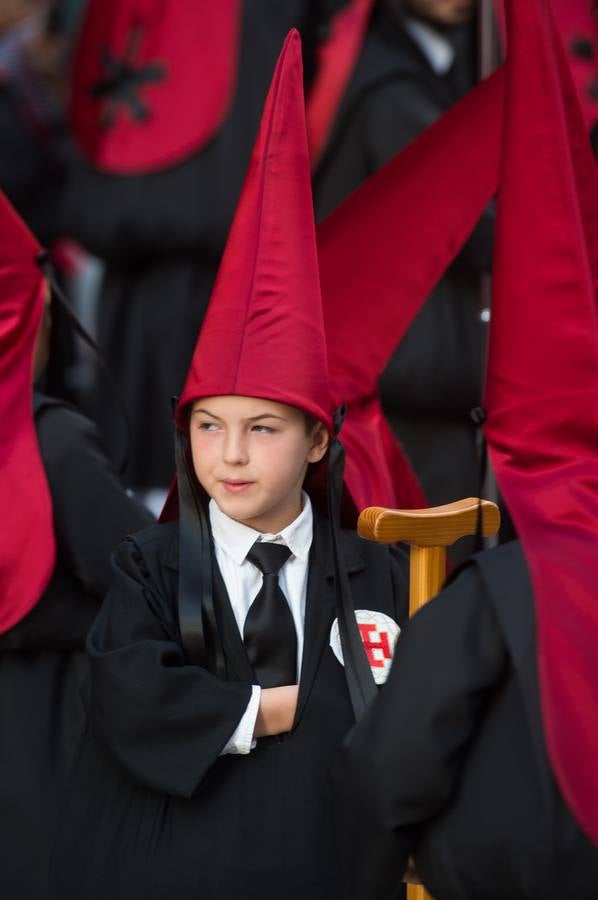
<point x="376" y="644"/>
<point x="378" y="633"/>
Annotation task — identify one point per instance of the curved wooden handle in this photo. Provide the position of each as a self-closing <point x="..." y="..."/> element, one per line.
<point x="438" y="526"/>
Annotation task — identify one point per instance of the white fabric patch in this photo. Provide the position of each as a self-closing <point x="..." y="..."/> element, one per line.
<point x="379" y="635"/>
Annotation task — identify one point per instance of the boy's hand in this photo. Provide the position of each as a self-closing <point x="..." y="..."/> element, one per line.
<point x="277" y="710"/>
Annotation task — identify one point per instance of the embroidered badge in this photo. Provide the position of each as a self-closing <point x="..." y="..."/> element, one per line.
<point x="123" y="81"/>
<point x="379" y="634"/>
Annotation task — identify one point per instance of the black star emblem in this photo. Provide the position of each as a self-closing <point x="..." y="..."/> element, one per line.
<point x="123" y="81"/>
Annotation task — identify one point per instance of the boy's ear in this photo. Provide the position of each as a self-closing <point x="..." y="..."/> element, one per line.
<point x="320" y="440"/>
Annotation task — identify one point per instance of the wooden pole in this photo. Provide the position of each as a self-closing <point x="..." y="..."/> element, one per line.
<point x="427" y="571"/>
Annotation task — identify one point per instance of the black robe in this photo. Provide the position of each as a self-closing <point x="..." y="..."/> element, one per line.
<point x="434" y="378"/>
<point x="42" y="659"/>
<point x="450" y="764"/>
<point x="161" y="236"/>
<point x="152" y="810"/>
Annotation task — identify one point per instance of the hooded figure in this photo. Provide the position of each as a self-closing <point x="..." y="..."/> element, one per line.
<point x="479" y="758"/>
<point x="64" y="510"/>
<point x="226" y="664"/>
<point x="385" y="77"/>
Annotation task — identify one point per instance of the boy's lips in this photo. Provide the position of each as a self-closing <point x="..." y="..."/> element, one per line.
<point x="234" y="486"/>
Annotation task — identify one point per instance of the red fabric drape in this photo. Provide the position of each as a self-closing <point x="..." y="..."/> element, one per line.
<point x="542" y="386"/>
<point x="576" y="23"/>
<point x="381" y="253"/>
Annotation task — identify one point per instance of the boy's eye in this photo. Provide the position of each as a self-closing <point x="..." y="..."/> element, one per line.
<point x="263" y="429"/>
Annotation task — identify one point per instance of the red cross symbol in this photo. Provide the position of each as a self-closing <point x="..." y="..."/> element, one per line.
<point x="376" y="643"/>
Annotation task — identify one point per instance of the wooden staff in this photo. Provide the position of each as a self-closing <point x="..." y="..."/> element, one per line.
<point x="428" y="532"/>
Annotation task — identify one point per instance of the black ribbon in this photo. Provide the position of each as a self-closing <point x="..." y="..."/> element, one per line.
<point x="360" y="681"/>
<point x="43" y="261"/>
<point x="479" y="416"/>
<point x="197" y="615"/>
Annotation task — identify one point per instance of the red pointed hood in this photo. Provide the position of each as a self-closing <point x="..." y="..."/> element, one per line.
<point x="381" y="253"/>
<point x="542" y="387"/>
<point x="153" y="80"/>
<point x="337" y="58"/>
<point x="263" y="335"/>
<point x="27" y="544"/>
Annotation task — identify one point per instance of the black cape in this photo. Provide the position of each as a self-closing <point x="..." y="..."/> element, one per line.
<point x="434" y="378"/>
<point x="42" y="659"/>
<point x="450" y="764"/>
<point x="153" y="810"/>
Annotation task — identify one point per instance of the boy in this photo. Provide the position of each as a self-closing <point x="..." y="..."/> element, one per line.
<point x="218" y="689"/>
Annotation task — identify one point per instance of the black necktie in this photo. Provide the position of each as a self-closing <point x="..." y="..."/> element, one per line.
<point x="269" y="631"/>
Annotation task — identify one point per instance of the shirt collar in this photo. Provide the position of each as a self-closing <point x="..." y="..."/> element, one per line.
<point x="236" y="539"/>
<point x="436" y="48"/>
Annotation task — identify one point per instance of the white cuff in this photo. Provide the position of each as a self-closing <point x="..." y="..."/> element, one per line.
<point x="241" y="740"/>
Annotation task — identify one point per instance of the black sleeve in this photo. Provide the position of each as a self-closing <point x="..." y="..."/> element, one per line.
<point x="165" y="722"/>
<point x="92" y="510"/>
<point x="399" y="765"/>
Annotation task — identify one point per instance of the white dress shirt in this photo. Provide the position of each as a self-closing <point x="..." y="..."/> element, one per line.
<point x="437" y="49"/>
<point x="243" y="580"/>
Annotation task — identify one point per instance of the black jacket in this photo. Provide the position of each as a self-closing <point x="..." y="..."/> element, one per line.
<point x="42" y="659"/>
<point x="153" y="810"/>
<point x="450" y="764"/>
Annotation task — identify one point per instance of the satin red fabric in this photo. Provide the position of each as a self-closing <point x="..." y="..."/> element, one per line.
<point x="576" y="22"/>
<point x="263" y="335"/>
<point x="153" y="80"/>
<point x="337" y="58"/>
<point x="27" y="550"/>
<point x="381" y="253"/>
<point x="542" y="385"/>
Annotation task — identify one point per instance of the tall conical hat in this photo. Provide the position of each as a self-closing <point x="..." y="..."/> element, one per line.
<point x="263" y="335"/>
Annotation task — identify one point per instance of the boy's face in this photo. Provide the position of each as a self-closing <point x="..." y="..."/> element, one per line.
<point x="251" y="456"/>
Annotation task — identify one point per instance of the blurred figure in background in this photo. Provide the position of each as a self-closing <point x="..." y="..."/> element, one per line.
<point x="167" y="133"/>
<point x="415" y="59"/>
<point x="33" y="85"/>
<point x="35" y="147"/>
<point x="64" y="510"/>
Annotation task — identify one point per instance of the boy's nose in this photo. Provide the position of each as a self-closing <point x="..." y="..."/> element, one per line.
<point x="234" y="450"/>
